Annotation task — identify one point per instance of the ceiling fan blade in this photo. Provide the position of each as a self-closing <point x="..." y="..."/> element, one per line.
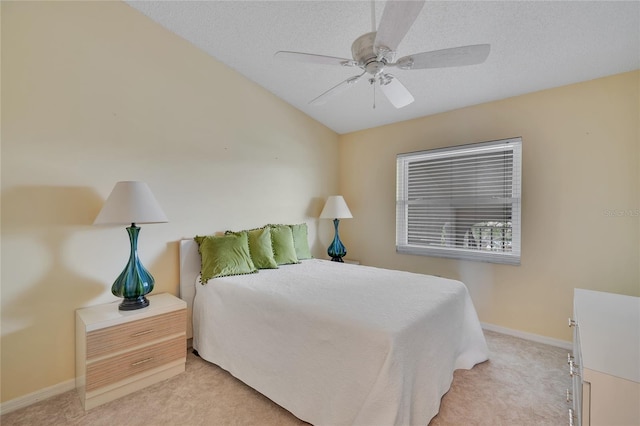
<point x="397" y="18"/>
<point x="395" y="91"/>
<point x="335" y="90"/>
<point x="453" y="57"/>
<point x="314" y="59"/>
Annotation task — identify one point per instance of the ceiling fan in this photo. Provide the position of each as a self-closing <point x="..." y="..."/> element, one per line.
<point x="375" y="52"/>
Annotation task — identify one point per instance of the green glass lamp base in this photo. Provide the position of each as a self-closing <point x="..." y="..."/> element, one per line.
<point x="135" y="281"/>
<point x="336" y="250"/>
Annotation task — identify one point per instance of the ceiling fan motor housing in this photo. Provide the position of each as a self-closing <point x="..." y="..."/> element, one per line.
<point x="364" y="54"/>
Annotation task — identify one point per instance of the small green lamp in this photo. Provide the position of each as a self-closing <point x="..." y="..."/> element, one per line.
<point x="131" y="202"/>
<point x="336" y="208"/>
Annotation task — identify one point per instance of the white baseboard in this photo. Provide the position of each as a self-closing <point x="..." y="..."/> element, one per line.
<point x="529" y="336"/>
<point x="23" y="401"/>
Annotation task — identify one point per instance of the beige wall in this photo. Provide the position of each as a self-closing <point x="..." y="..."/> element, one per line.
<point x="581" y="163"/>
<point x="94" y="93"/>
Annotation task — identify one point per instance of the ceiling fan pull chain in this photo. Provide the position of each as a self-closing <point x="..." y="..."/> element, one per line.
<point x="373" y="86"/>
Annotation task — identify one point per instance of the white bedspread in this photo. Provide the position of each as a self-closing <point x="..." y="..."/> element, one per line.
<point x="341" y="344"/>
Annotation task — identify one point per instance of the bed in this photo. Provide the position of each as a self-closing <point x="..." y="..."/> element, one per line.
<point x="336" y="343"/>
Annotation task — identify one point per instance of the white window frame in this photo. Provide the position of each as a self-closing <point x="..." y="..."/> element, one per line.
<point x="493" y="255"/>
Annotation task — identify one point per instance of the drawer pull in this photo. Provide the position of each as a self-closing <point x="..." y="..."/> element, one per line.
<point x="572" y="323"/>
<point x="573" y="370"/>
<point x="142" y="361"/>
<point x="142" y="333"/>
<point x="572" y="418"/>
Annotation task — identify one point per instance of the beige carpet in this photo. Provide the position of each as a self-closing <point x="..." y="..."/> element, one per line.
<point x="523" y="383"/>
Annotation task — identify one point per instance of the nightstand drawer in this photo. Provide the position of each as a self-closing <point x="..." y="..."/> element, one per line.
<point x="113" y="369"/>
<point x="121" y="337"/>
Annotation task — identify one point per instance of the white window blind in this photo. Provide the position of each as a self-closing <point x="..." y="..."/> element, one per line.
<point x="461" y="202"/>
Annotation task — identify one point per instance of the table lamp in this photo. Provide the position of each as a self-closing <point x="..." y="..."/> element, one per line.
<point x="131" y="202"/>
<point x="336" y="208"/>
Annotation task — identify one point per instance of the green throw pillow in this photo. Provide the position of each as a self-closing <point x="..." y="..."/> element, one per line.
<point x="301" y="241"/>
<point x="260" y="247"/>
<point x="283" y="249"/>
<point x="224" y="255"/>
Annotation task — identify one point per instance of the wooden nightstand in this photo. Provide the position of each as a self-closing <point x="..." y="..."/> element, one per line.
<point x="119" y="352"/>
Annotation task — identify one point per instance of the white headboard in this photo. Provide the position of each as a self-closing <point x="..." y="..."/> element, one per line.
<point x="189" y="271"/>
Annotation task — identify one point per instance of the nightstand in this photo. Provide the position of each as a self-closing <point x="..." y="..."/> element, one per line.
<point x="120" y="352"/>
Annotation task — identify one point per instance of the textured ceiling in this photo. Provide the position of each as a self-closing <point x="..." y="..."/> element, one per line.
<point x="534" y="45"/>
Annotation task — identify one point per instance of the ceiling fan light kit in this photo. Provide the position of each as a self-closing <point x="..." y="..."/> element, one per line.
<point x="375" y="51"/>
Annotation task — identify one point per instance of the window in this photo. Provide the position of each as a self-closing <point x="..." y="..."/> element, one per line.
<point x="461" y="202"/>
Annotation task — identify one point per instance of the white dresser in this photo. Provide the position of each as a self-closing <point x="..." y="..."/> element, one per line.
<point x="605" y="365"/>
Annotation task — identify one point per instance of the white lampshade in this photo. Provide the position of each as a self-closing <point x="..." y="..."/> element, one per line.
<point x="335" y="208"/>
<point x="130" y="202"/>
